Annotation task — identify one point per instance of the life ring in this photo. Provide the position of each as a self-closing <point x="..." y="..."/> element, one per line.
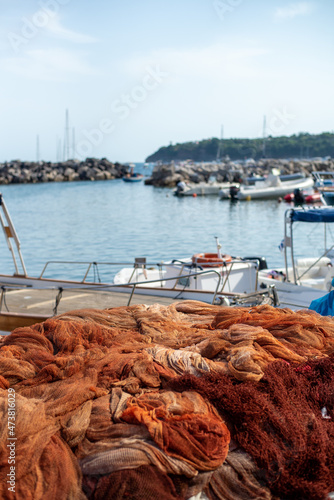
<point x="210" y="259"/>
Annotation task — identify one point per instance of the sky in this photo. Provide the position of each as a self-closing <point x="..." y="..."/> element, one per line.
<point x="120" y="79"/>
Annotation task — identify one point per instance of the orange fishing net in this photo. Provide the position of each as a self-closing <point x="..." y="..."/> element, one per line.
<point x="285" y="423"/>
<point x="99" y="411"/>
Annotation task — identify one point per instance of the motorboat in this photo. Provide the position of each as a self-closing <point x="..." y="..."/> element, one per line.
<point x="304" y="197"/>
<point x="324" y="182"/>
<point x="283" y="177"/>
<point x="271" y="187"/>
<point x="302" y="280"/>
<point x="25" y="299"/>
<point x="323" y="178"/>
<point x="200" y="189"/>
<point x="133" y="176"/>
<point x="216" y="273"/>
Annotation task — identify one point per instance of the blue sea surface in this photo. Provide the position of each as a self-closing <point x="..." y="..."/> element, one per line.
<point x="115" y="221"/>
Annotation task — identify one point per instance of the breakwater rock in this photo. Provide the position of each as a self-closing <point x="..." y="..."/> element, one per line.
<point x="91" y="169"/>
<point x="168" y="175"/>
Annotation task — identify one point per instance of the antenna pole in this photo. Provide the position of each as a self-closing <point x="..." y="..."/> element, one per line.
<point x="67" y="138"/>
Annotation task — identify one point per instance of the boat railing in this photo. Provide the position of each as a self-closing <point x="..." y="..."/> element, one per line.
<point x="90" y="265"/>
<point x="314" y="264"/>
<point x="177" y="278"/>
<point x="140" y="263"/>
<point x="134" y="284"/>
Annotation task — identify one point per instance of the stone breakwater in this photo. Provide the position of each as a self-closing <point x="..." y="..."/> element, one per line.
<point x="91" y="169"/>
<point x="168" y="175"/>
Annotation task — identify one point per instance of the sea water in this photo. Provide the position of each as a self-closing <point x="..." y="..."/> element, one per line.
<point x="115" y="221"/>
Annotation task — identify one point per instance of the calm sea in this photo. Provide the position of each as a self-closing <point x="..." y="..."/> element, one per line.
<point x="115" y="221"/>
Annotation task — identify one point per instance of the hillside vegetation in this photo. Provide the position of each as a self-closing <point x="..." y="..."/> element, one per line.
<point x="302" y="145"/>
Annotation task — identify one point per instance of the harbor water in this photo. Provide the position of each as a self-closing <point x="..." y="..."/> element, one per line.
<point x="115" y="221"/>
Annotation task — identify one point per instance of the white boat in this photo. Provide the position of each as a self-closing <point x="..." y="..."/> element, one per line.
<point x="201" y="189"/>
<point x="203" y="273"/>
<point x="323" y="178"/>
<point x="324" y="183"/>
<point x="271" y="187"/>
<point x="197" y="273"/>
<point x="302" y="280"/>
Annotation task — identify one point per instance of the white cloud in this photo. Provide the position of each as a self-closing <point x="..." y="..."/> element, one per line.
<point x="49" y="65"/>
<point x="294" y="10"/>
<point x="218" y="61"/>
<point x="55" y="28"/>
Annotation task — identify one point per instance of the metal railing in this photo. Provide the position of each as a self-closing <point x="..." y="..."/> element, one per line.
<point x="227" y="268"/>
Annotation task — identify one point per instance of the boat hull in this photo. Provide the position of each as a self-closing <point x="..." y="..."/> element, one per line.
<point x="293" y="296"/>
<point x="134" y="179"/>
<point x="262" y="191"/>
<point x="203" y="189"/>
<point x="252" y="193"/>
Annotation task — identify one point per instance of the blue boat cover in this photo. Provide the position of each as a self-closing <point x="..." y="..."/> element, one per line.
<point x="313" y="215"/>
<point x="324" y="305"/>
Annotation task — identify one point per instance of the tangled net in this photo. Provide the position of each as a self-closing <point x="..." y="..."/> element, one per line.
<point x="147" y="401"/>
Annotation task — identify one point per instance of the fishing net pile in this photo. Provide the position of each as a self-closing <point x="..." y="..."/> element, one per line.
<point x="188" y="400"/>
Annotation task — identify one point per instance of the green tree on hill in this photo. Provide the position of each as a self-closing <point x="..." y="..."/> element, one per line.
<point x="302" y="145"/>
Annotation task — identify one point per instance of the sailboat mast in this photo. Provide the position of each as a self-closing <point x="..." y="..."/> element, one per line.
<point x="220" y="143"/>
<point x="37" y="148"/>
<point x="264" y="137"/>
<point x="73" y="143"/>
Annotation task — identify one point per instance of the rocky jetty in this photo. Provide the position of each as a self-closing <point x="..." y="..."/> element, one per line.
<point x="91" y="169"/>
<point x="168" y="175"/>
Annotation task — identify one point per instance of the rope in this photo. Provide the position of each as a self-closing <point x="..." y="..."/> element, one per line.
<point x="186" y="285"/>
<point x="58" y="298"/>
<point x="3" y="288"/>
<point x="96" y="273"/>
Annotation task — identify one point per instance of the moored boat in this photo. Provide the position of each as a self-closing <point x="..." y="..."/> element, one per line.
<point x="308" y="198"/>
<point x="206" y="273"/>
<point x="324" y="181"/>
<point x="201" y="188"/>
<point x="271" y="187"/>
<point x="302" y="280"/>
<point x="133" y="176"/>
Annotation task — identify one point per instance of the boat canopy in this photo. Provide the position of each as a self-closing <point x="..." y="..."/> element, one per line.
<point x="313" y="215"/>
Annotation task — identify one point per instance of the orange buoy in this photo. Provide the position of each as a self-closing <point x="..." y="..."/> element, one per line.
<point x="210" y="259"/>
